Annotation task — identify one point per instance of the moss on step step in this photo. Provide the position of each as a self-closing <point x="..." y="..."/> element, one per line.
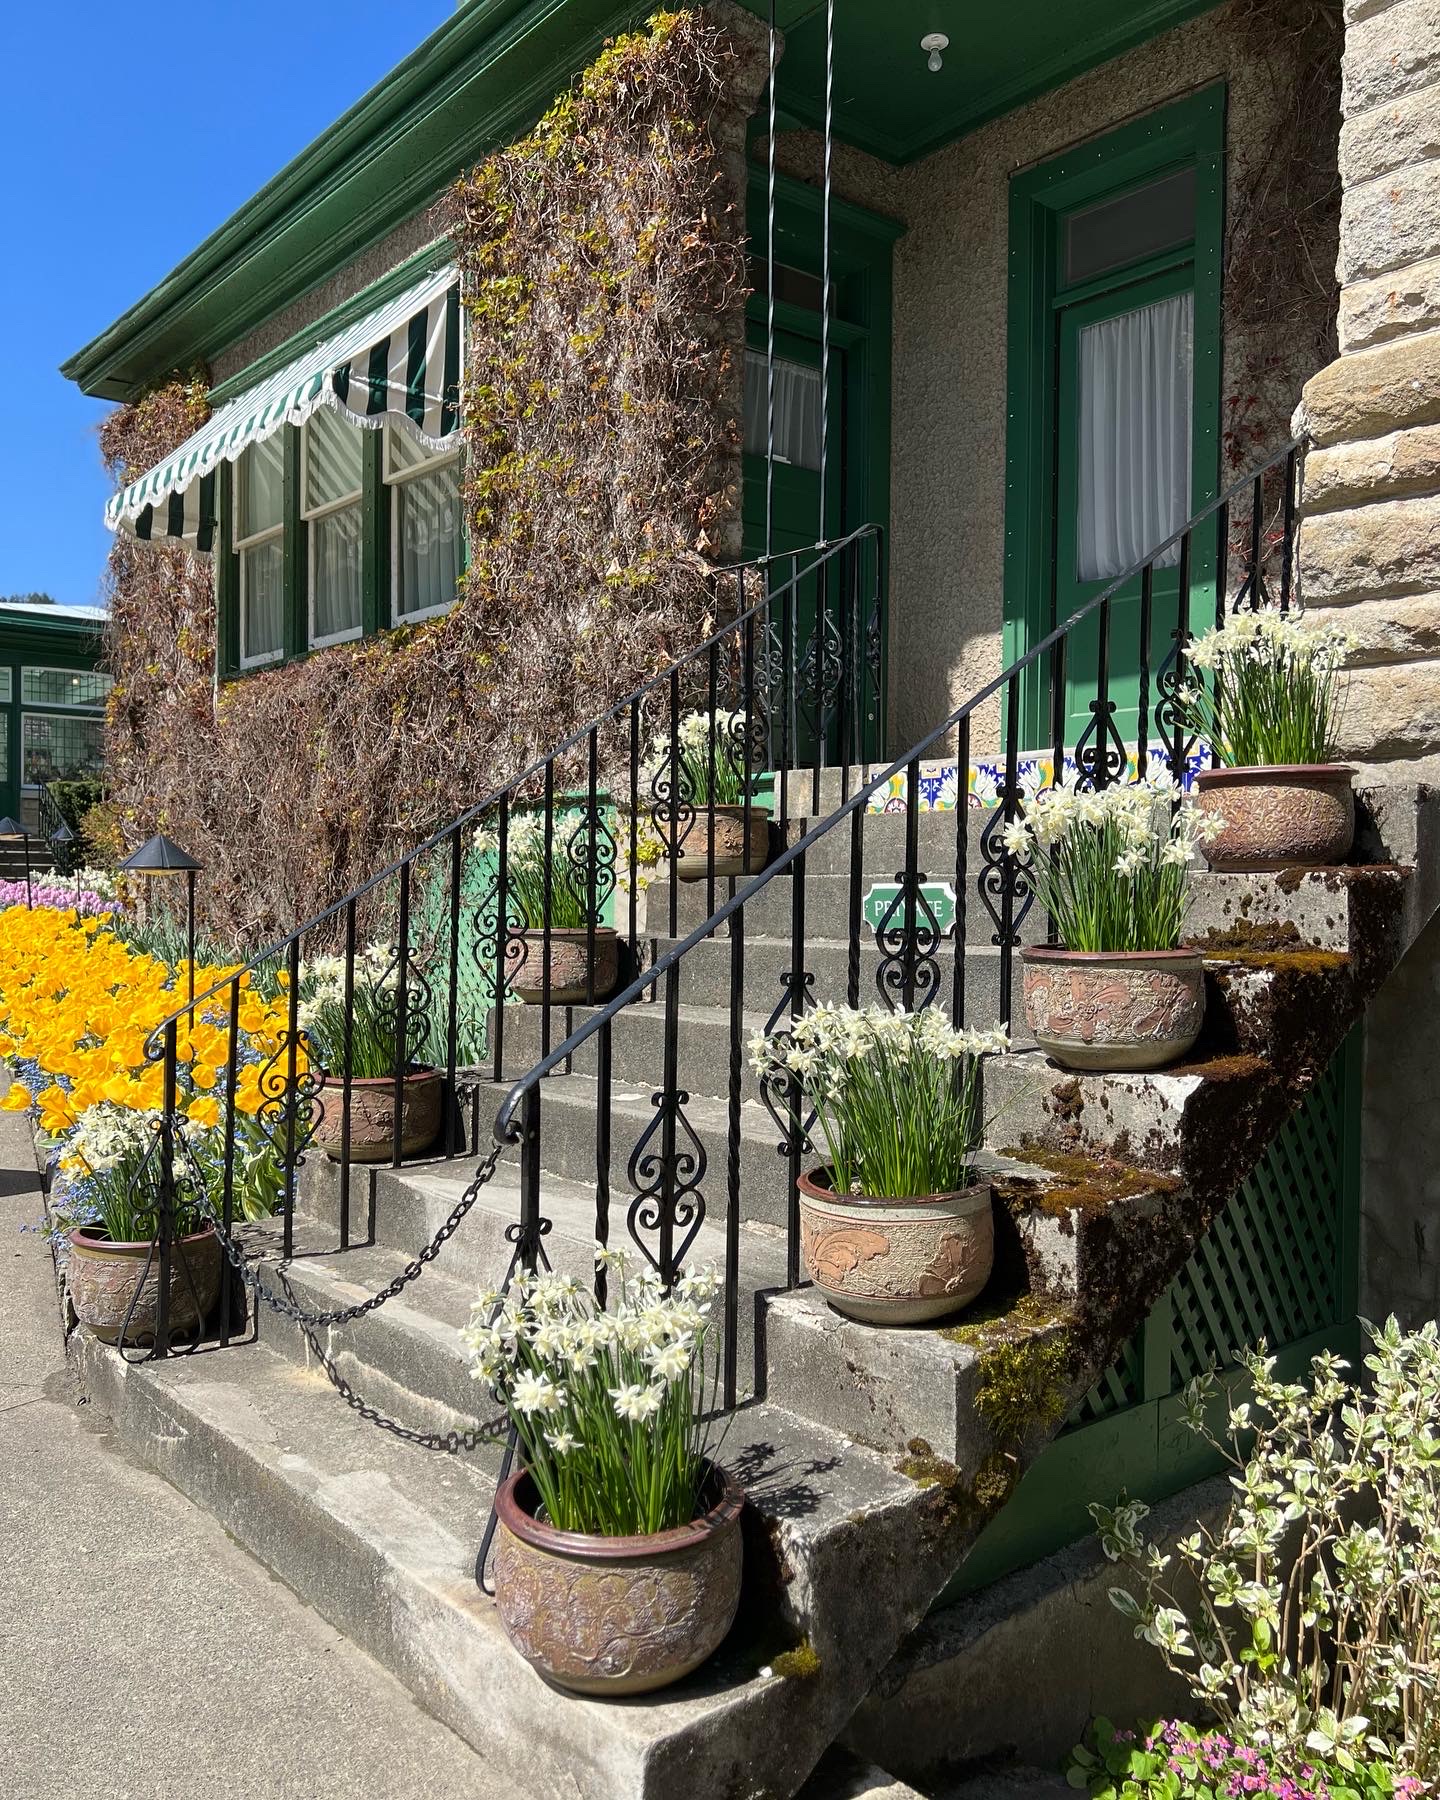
<point x="799" y="1664"/>
<point x="1087" y="1184"/>
<point x="1023" y="1386"/>
<point x="1004" y="1321"/>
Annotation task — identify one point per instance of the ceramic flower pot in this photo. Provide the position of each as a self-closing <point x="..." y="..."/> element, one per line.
<point x="896" y="1261"/>
<point x="575" y="978"/>
<point x="723" y="849"/>
<point x="1121" y="1010"/>
<point x="372" y="1115"/>
<point x="101" y="1277"/>
<point x="622" y="1615"/>
<point x="1290" y="816"/>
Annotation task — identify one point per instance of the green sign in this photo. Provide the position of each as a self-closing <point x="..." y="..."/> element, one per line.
<point x="939" y="897"/>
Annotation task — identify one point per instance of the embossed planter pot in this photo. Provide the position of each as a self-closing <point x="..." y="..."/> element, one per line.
<point x="372" y="1115"/>
<point x="623" y="1615"/>
<point x="1291" y="816"/>
<point x="101" y="1278"/>
<point x="724" y="852"/>
<point x="570" y="965"/>
<point x="1120" y="1010"/>
<point x="897" y="1261"/>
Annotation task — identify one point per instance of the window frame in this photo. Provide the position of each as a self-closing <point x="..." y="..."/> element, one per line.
<point x="73" y="716"/>
<point x="56" y="706"/>
<point x="310" y="515"/>
<point x="393" y="480"/>
<point x="239" y="545"/>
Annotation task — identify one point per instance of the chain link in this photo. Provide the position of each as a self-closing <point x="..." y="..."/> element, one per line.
<point x="287" y="1309"/>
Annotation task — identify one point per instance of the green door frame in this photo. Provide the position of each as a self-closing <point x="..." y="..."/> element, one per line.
<point x="1189" y="131"/>
<point x="861" y="255"/>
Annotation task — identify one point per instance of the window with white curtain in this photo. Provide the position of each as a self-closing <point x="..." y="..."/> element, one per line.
<point x="260" y="546"/>
<point x="332" y="505"/>
<point x="427" y="533"/>
<point x="1136" y="386"/>
<point x="797" y="410"/>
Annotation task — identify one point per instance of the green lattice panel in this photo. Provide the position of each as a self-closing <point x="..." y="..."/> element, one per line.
<point x="1269" y="1267"/>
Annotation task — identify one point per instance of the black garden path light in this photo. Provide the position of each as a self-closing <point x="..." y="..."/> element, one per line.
<point x="60" y="841"/>
<point x="161" y="856"/>
<point x="13" y="832"/>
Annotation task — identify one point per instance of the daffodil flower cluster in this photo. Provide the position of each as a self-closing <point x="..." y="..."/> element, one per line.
<point x="1307" y="1620"/>
<point x="898" y="1095"/>
<point x="696" y="748"/>
<point x="561" y="889"/>
<point x="607" y="1404"/>
<point x="1111" y="867"/>
<point x="77" y="1006"/>
<point x="1272" y="688"/>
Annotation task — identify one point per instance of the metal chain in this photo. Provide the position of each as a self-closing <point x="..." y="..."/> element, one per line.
<point x="287" y="1309"/>
<point x="449" y="1443"/>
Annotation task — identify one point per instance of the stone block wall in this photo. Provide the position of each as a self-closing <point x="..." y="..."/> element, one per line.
<point x="1370" y="536"/>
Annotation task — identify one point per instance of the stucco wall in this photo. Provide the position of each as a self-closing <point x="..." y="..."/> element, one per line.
<point x="949" y="406"/>
<point x="405" y="241"/>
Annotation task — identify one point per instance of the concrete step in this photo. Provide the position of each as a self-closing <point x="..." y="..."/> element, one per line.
<point x="638" y="1045"/>
<point x="705" y="974"/>
<point x="381" y="1539"/>
<point x="394" y="1215"/>
<point x="769" y="912"/>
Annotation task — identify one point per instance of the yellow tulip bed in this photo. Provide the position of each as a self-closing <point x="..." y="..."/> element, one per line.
<point x="77" y="1005"/>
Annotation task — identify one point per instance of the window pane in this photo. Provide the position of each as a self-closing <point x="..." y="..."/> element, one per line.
<point x="1134" y="448"/>
<point x="56" y="747"/>
<point x="261" y="600"/>
<point x="797" y="410"/>
<point x="428" y="520"/>
<point x="403" y="453"/>
<point x="1157" y="217"/>
<point x="335" y="546"/>
<point x="5" y="684"/>
<point x="332" y="459"/>
<point x="262" y="475"/>
<point x="4" y="748"/>
<point x="60" y="687"/>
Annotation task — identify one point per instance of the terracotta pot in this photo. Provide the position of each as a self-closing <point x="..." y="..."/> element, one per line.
<point x="724" y="850"/>
<point x="102" y="1276"/>
<point x="896" y="1261"/>
<point x="1291" y="816"/>
<point x="1125" y="1010"/>
<point x="621" y="1615"/>
<point x="372" y="1115"/>
<point x="570" y="965"/>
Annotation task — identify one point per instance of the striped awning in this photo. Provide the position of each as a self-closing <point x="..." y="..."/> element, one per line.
<point x="399" y="363"/>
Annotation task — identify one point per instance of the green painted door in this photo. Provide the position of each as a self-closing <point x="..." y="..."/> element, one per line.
<point x="1125" y="425"/>
<point x="1112" y="441"/>
<point x="814" y="709"/>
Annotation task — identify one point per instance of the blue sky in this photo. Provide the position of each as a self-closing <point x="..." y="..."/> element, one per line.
<point x="125" y="144"/>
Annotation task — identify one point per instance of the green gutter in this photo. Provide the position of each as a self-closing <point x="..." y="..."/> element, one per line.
<point x="481" y="79"/>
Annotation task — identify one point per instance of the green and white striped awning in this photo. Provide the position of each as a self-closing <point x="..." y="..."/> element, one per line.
<point x="399" y="363"/>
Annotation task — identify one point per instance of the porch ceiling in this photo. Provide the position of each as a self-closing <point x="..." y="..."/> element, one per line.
<point x="888" y="102"/>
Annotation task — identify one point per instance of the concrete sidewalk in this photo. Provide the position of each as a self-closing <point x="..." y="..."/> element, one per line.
<point x="143" y="1654"/>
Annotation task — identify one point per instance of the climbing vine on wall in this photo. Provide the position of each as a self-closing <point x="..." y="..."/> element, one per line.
<point x="602" y="266"/>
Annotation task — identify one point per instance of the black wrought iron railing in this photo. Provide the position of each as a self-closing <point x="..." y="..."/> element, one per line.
<point x="535" y="890"/>
<point x="461" y="921"/>
<point x="1245" y="538"/>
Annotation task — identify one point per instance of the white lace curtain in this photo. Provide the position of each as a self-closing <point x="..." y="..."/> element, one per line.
<point x="1134" y="448"/>
<point x="797" y="410"/>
